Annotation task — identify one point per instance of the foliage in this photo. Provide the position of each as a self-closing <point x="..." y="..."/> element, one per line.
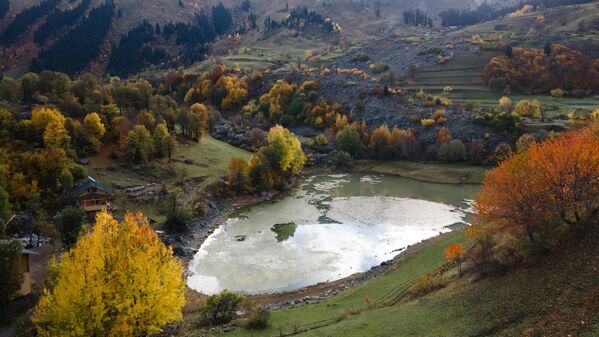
<point x="379" y="68"/>
<point x="349" y="141"/>
<point x="139" y="144"/>
<point x="118" y="280"/>
<point x="258" y="318"/>
<point x="554" y="181"/>
<point x="221" y="308"/>
<point x="5" y="206"/>
<point x="25" y="19"/>
<point x="455" y="253"/>
<point x="237" y="174"/>
<point x="12" y="275"/>
<point x="452" y="151"/>
<point x="87" y="36"/>
<point x="526" y="108"/>
<point x="379" y="142"/>
<point x="71" y="224"/>
<point x="285" y="150"/>
<point x="57" y="20"/>
<point x="530" y="70"/>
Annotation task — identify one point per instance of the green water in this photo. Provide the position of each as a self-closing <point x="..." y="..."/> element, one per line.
<point x="329" y="227"/>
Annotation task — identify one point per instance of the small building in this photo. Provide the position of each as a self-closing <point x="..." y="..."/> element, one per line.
<point x="92" y="196"/>
<point x="25" y="268"/>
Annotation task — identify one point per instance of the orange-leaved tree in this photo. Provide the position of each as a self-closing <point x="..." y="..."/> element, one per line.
<point x="120" y="280"/>
<point x="553" y="182"/>
<point x="455" y="253"/>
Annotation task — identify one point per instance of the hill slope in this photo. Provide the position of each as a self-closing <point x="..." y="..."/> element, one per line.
<point x="557" y="296"/>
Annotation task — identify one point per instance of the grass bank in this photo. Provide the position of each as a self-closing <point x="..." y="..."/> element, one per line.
<point x="435" y="173"/>
<point x="199" y="164"/>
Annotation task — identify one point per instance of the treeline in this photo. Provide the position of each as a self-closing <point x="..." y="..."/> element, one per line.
<point x="133" y="53"/>
<point x="531" y="70"/>
<point x="298" y="16"/>
<point x="74" y="51"/>
<point x="25" y="19"/>
<point x="486" y="12"/>
<point x="4" y="7"/>
<point x="417" y="18"/>
<point x="482" y="13"/>
<point x="58" y="20"/>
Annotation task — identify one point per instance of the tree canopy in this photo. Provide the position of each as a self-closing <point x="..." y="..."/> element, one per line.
<point x="120" y="280"/>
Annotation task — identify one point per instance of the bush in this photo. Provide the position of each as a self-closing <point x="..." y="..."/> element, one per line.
<point x="321" y="140"/>
<point x="557" y="93"/>
<point x="427" y="122"/>
<point x="348" y="140"/>
<point x="502" y="152"/>
<point x="360" y="58"/>
<point x="526" y="108"/>
<point x="258" y="318"/>
<point x="379" y="68"/>
<point x="221" y="308"/>
<point x="453" y="151"/>
<point x="341" y="159"/>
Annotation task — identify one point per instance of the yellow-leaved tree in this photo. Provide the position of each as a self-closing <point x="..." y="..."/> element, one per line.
<point x="119" y="280"/>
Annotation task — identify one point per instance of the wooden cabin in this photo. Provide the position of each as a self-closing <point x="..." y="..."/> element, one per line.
<point x="25" y="268"/>
<point x="92" y="196"/>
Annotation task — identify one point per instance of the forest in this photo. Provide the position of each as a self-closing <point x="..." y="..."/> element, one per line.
<point x="25" y="19"/>
<point x="74" y="51"/>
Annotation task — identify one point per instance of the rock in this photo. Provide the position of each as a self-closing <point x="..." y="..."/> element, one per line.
<point x="188" y="161"/>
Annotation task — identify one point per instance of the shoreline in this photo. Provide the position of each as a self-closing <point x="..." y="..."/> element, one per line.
<point x="315" y="293"/>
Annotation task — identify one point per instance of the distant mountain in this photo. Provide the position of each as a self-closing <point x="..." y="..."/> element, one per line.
<point x="33" y="31"/>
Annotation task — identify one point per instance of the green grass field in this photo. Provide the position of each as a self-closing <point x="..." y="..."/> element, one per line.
<point x="436" y="173"/>
<point x="385" y="289"/>
<point x="555" y="294"/>
<point x="208" y="162"/>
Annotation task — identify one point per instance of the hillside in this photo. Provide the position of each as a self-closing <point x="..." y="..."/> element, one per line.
<point x="556" y="295"/>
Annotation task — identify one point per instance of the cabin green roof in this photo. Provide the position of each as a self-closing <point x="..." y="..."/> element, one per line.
<point x="89" y="182"/>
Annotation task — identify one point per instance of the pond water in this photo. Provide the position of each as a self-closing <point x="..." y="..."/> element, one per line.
<point x="329" y="227"/>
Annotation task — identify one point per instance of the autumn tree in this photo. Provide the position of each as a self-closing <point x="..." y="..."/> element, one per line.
<point x="285" y="151"/>
<point x="454" y="253"/>
<point x="553" y="182"/>
<point x="161" y="140"/>
<point x="139" y="144"/>
<point x="119" y="280"/>
<point x="94" y="130"/>
<point x="237" y="174"/>
<point x="379" y="142"/>
<point x="12" y="275"/>
<point x="526" y="108"/>
<point x="403" y="144"/>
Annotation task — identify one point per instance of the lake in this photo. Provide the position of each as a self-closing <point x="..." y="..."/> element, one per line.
<point x="329" y="227"/>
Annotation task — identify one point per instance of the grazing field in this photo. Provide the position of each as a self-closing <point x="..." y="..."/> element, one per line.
<point x="437" y="173"/>
<point x="195" y="164"/>
<point x="382" y="290"/>
<point x="463" y="75"/>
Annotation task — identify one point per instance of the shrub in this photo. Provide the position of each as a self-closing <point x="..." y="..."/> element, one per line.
<point x="341" y="159"/>
<point x="258" y="318"/>
<point x="379" y="68"/>
<point x="447" y="89"/>
<point x="595" y="114"/>
<point x="502" y="152"/>
<point x="453" y="151"/>
<point x="427" y="122"/>
<point x="349" y="141"/>
<point x="360" y="58"/>
<point x="221" y="308"/>
<point x="526" y="108"/>
<point x="321" y="140"/>
<point x="557" y="93"/>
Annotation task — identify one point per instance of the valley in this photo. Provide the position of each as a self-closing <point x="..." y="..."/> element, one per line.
<point x="302" y="167"/>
